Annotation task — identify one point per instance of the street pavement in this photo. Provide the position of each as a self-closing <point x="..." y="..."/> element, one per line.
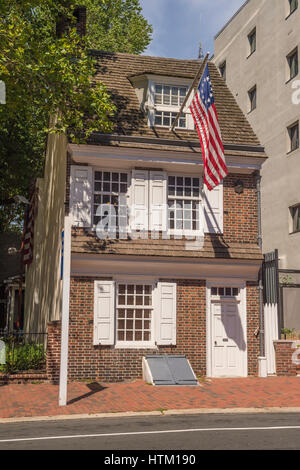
<point x="33" y="400"/>
<point x="156" y="433"/>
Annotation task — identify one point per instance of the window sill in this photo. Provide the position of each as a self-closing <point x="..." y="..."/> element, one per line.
<point x="136" y="345"/>
<point x="250" y="55"/>
<point x="292" y="151"/>
<point x="291" y="79"/>
<point x="290" y="14"/>
<point x="252" y="111"/>
<point x="184" y="129"/>
<point x="293" y="233"/>
<point x="191" y="235"/>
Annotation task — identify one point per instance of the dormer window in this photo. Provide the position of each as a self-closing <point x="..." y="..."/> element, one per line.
<point x="169" y="95"/>
<point x="161" y="98"/>
<point x="167" y="102"/>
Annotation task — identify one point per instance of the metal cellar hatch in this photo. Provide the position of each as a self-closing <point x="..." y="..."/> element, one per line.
<point x="168" y="370"/>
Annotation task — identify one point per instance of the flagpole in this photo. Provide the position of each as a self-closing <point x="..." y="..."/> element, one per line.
<point x="194" y="84"/>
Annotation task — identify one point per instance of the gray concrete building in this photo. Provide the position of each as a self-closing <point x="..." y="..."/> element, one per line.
<point x="257" y="54"/>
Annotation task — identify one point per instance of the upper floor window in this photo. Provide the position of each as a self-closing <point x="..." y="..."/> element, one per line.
<point x="292" y="60"/>
<point x="252" y="94"/>
<point x="295" y="215"/>
<point x="167" y="101"/>
<point x="293" y="136"/>
<point x="293" y="5"/>
<point x="183" y="203"/>
<point x="252" y="41"/>
<point x="124" y="203"/>
<point x="108" y="187"/>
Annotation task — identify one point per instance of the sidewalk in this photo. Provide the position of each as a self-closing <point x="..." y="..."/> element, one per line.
<point x="33" y="400"/>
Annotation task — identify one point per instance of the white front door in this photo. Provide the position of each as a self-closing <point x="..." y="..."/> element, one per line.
<point x="229" y="344"/>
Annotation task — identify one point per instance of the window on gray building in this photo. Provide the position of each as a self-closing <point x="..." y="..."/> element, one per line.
<point x="292" y="59"/>
<point x="252" y="98"/>
<point x="293" y="5"/>
<point x="293" y="133"/>
<point x="252" y="41"/>
<point x="295" y="214"/>
<point x="222" y="68"/>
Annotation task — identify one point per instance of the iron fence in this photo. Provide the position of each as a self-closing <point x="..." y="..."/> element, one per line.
<point x="22" y="351"/>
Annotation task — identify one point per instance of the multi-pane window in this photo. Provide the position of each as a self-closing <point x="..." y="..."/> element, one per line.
<point x="222" y="69"/>
<point x="170" y="95"/>
<point x="225" y="291"/>
<point x="134" y="312"/>
<point x="252" y="41"/>
<point x="293" y="5"/>
<point x="108" y="188"/>
<point x="295" y="213"/>
<point x="166" y="118"/>
<point x="167" y="100"/>
<point x="293" y="133"/>
<point x="183" y="203"/>
<point x="252" y="98"/>
<point x="292" y="59"/>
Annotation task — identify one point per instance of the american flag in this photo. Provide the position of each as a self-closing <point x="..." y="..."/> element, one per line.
<point x="29" y="228"/>
<point x="205" y="116"/>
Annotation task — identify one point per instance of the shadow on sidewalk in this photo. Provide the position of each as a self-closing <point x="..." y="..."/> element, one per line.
<point x="94" y="388"/>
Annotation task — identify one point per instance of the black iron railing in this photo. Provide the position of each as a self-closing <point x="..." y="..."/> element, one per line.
<point x="21" y="351"/>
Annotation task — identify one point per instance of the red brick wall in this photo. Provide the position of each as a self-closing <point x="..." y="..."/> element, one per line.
<point x="107" y="364"/>
<point x="53" y="351"/>
<point x="240" y="210"/>
<point x="283" y="352"/>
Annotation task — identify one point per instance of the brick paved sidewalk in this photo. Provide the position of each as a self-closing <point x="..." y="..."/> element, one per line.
<point x="41" y="399"/>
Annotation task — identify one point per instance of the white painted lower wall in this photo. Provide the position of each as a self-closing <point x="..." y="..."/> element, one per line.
<point x="271" y="334"/>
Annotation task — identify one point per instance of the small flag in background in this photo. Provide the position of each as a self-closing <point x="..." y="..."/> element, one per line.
<point x="205" y="116"/>
<point x="29" y="228"/>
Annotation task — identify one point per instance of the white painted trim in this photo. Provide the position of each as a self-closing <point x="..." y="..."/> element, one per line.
<point x="137" y="344"/>
<point x="243" y="303"/>
<point x="63" y="377"/>
<point x="124" y="157"/>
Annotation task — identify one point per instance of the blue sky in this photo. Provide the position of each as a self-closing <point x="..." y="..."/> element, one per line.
<point x="180" y="25"/>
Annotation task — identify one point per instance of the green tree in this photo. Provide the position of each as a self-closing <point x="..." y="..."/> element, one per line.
<point x="117" y="26"/>
<point x="46" y="75"/>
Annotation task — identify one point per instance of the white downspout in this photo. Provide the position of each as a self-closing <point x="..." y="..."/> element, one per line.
<point x="63" y="376"/>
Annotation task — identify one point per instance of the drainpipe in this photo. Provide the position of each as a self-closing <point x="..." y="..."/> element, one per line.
<point x="262" y="360"/>
<point x="63" y="375"/>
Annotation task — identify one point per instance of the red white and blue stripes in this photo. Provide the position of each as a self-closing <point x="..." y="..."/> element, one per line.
<point x="205" y="116"/>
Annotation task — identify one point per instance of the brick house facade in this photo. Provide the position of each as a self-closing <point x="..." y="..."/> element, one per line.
<point x="153" y="290"/>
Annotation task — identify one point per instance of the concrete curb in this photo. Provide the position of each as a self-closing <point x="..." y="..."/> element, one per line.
<point x="132" y="414"/>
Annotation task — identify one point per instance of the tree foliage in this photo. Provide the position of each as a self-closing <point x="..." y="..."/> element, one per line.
<point x="46" y="75"/>
<point x="117" y="26"/>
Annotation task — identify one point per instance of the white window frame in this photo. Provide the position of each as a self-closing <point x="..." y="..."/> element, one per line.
<point x="94" y="193"/>
<point x="138" y="344"/>
<point x="152" y="107"/>
<point x="183" y="232"/>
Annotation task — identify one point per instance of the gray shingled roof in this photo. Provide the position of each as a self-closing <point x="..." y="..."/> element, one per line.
<point x="115" y="71"/>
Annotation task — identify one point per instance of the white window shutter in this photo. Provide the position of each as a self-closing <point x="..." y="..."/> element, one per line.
<point x="166" y="323"/>
<point x="81" y="193"/>
<point x="104" y="312"/>
<point x="139" y="200"/>
<point x="158" y="201"/>
<point x="213" y="209"/>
